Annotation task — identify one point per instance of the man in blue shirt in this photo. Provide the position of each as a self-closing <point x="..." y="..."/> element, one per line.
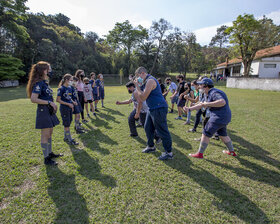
<point x="220" y="116"/>
<point x="156" y="121"/>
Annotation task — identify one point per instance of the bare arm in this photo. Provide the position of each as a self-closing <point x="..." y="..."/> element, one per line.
<point x="124" y="102"/>
<point x="34" y="99"/>
<point x="151" y="85"/>
<point x="217" y="103"/>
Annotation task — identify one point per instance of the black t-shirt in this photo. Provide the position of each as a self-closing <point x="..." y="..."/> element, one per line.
<point x="181" y="88"/>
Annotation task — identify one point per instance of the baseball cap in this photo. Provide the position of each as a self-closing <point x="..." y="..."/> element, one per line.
<point x="205" y="81"/>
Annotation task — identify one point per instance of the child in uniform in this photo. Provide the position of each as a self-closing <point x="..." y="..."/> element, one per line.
<point x="39" y="91"/>
<point x="64" y="97"/>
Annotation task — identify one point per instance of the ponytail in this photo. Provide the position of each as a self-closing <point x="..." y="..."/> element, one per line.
<point x="65" y="77"/>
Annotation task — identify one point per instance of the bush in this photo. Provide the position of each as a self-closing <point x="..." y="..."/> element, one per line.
<point x="10" y="68"/>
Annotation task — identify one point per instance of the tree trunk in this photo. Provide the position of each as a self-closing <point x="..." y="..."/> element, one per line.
<point x="155" y="60"/>
<point x="247" y="67"/>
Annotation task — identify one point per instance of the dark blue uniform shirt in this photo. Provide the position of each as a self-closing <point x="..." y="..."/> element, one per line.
<point x="219" y="115"/>
<point x="43" y="90"/>
<point x="65" y="93"/>
<point x="93" y="86"/>
<point x="74" y="94"/>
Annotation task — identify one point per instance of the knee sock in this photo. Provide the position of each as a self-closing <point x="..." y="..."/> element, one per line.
<point x="202" y="147"/>
<point x="49" y="145"/>
<point x="45" y="149"/>
<point x="67" y="135"/>
<point x="229" y="146"/>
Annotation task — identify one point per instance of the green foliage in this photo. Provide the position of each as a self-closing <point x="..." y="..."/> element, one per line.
<point x="249" y="35"/>
<point x="10" y="68"/>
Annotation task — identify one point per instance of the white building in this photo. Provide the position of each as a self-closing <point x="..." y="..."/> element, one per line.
<point x="266" y="64"/>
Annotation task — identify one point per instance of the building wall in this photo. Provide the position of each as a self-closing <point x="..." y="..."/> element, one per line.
<point x="269" y="72"/>
<point x="254" y="83"/>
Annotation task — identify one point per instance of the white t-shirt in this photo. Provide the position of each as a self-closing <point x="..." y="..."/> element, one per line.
<point x="173" y="87"/>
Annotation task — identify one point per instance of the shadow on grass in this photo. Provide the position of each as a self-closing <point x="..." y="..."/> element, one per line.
<point x="106" y="117"/>
<point x="228" y="199"/>
<point x="70" y="204"/>
<point x="112" y="111"/>
<point x="92" y="138"/>
<point x="12" y="93"/>
<point x="89" y="167"/>
<point x="180" y="142"/>
<point x="253" y="150"/>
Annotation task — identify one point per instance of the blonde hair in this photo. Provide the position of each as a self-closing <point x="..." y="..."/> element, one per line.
<point x="65" y="77"/>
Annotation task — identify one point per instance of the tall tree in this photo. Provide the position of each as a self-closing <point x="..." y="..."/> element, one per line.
<point x="221" y="38"/>
<point x="126" y="37"/>
<point x="158" y="33"/>
<point x="250" y="35"/>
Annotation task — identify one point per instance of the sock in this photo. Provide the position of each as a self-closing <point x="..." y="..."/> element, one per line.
<point x="49" y="145"/>
<point x="102" y="103"/>
<point x="202" y="147"/>
<point x="45" y="149"/>
<point x="229" y="146"/>
<point x="76" y="124"/>
<point x="68" y="135"/>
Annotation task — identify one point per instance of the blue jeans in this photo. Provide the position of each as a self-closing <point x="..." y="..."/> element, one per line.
<point x="156" y="122"/>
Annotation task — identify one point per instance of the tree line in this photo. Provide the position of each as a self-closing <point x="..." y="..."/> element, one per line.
<point x="26" y="38"/>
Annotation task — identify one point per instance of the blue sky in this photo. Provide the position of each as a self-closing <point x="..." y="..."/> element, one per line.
<point x="199" y="16"/>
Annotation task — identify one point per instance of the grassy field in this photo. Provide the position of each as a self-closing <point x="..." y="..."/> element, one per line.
<point x="106" y="179"/>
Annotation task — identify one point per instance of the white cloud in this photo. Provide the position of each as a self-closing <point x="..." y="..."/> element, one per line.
<point x="204" y="35"/>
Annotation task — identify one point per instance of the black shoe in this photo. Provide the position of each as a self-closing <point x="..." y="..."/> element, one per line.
<point x="73" y="142"/>
<point x="80" y="131"/>
<point x="103" y="107"/>
<point x="192" y="130"/>
<point x="170" y="112"/>
<point x="133" y="135"/>
<point x="52" y="155"/>
<point x="49" y="161"/>
<point x="96" y="110"/>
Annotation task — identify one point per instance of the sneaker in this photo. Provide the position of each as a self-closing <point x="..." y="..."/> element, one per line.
<point x="94" y="114"/>
<point x="133" y="135"/>
<point x="52" y="155"/>
<point x="96" y="110"/>
<point x="73" y="142"/>
<point x="231" y="153"/>
<point x="84" y="121"/>
<point x="149" y="149"/>
<point x="192" y="130"/>
<point x="158" y="141"/>
<point x="171" y="111"/>
<point x="187" y="122"/>
<point x="49" y="161"/>
<point x="197" y="155"/>
<point x="178" y="118"/>
<point x="166" y="156"/>
<point x="197" y="139"/>
<point x="80" y="131"/>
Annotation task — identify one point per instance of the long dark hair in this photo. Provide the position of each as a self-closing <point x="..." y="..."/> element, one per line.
<point x="189" y="85"/>
<point x="65" y="77"/>
<point x="78" y="74"/>
<point x="35" y="75"/>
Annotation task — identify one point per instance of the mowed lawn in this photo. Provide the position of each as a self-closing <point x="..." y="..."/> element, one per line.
<point x="106" y="179"/>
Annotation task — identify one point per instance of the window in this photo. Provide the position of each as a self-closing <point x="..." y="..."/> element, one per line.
<point x="236" y="70"/>
<point x="269" y="65"/>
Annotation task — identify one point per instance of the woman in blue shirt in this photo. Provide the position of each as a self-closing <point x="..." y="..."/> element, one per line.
<point x="39" y="91"/>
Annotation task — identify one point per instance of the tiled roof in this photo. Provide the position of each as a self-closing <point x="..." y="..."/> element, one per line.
<point x="268" y="52"/>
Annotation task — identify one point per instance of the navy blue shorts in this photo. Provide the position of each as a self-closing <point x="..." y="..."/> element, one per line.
<point x="95" y="97"/>
<point x="44" y="119"/>
<point x="174" y="100"/>
<point x="181" y="103"/>
<point x="101" y="94"/>
<point x="211" y="128"/>
<point x="66" y="115"/>
<point x="77" y="109"/>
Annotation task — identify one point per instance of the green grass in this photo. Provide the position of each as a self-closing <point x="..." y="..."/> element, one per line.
<point x="106" y="179"/>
